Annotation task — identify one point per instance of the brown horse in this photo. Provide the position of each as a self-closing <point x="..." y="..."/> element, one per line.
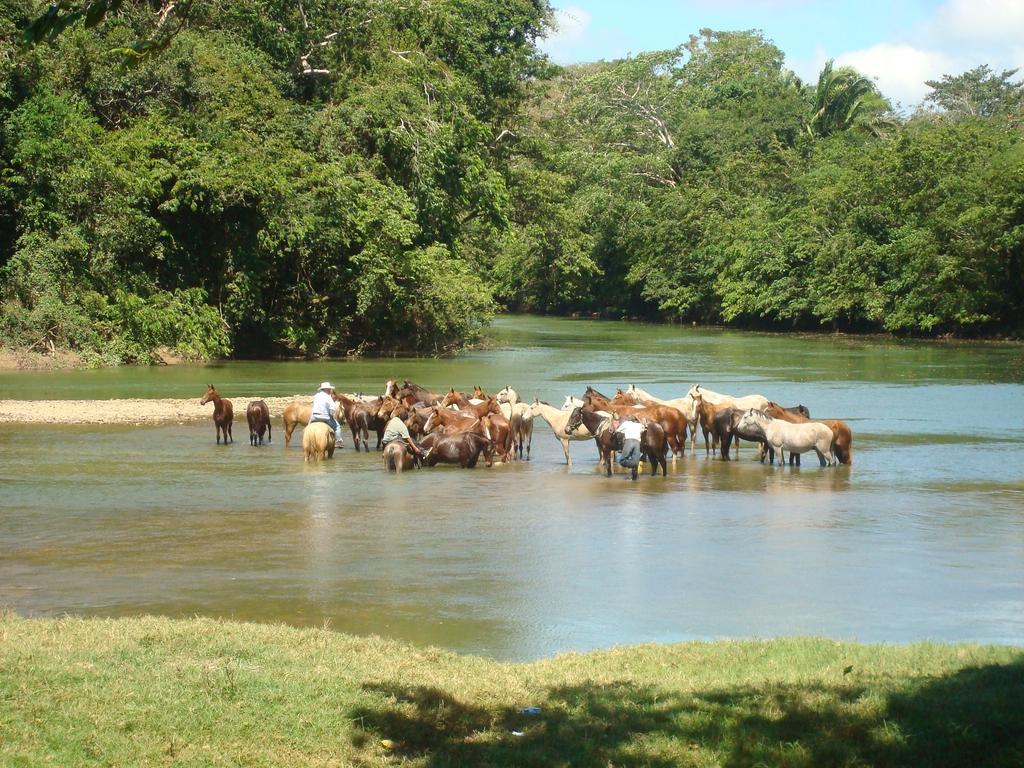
<point x="258" y="416"/>
<point x="452" y="422"/>
<point x="223" y="413"/>
<point x="462" y="448"/>
<point x="499" y="428"/>
<point x="706" y="413"/>
<point x="418" y="393"/>
<point x="672" y="421"/>
<point x="842" y="436"/>
<point x="362" y="418"/>
<point x="653" y="447"/>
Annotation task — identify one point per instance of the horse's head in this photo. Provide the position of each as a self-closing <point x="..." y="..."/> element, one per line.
<point x="694" y="390"/>
<point x="451" y="398"/>
<point x="387" y="406"/>
<point x="774" y="410"/>
<point x="434" y="420"/>
<point x="211" y="394"/>
<point x="803" y="410"/>
<point x="478" y="393"/>
<point x="623" y="398"/>
<point x="390" y="388"/>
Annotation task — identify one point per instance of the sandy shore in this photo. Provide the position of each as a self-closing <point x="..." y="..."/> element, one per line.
<point x="134" y="411"/>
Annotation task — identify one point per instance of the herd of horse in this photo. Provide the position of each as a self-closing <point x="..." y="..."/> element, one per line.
<point x="456" y="427"/>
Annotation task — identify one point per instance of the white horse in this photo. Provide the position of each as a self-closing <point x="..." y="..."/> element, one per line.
<point x="757" y="402"/>
<point x="571" y="402"/>
<point x="557" y="419"/>
<point x="507" y="395"/>
<point x="786" y="436"/>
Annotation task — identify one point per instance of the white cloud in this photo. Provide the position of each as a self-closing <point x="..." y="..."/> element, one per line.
<point x="900" y="70"/>
<point x="572" y="24"/>
<point x="978" y="22"/>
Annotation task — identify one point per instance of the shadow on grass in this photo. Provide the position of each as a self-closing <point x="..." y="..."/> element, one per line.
<point x="972" y="718"/>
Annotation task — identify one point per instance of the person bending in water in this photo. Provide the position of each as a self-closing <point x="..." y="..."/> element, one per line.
<point x="323" y="410"/>
<point x="397" y="430"/>
<point x="631" y="431"/>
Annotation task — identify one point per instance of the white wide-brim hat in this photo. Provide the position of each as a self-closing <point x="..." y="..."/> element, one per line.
<point x="326" y="385"/>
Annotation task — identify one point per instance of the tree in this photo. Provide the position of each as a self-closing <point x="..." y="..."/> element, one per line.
<point x="978" y="92"/>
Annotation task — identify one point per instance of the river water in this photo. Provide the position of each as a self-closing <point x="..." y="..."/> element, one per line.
<point x="922" y="538"/>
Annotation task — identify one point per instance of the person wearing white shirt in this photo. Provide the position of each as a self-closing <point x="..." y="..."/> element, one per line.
<point x="324" y="408"/>
<point x="631" y="431"/>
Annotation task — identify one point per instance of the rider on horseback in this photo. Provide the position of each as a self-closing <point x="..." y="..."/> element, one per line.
<point x="323" y="409"/>
<point x="397" y="430"/>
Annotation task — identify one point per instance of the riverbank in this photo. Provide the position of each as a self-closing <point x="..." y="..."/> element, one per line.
<point x="155" y="691"/>
<point x="130" y="411"/>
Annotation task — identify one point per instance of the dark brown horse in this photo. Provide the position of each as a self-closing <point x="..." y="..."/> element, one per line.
<point x="725" y="427"/>
<point x="417" y="393"/>
<point x="462" y="448"/>
<point x="653" y="447"/>
<point x="258" y="416"/>
<point x="362" y="419"/>
<point x="223" y="413"/>
<point x="601" y="428"/>
<point x="672" y="421"/>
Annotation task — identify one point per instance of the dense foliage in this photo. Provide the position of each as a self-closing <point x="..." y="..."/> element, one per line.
<point x="711" y="184"/>
<point x="318" y="177"/>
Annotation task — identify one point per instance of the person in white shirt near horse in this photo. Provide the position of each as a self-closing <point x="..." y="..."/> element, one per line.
<point x="631" y="431"/>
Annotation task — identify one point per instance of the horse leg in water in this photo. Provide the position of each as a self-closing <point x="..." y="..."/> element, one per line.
<point x="229" y="432"/>
<point x="565" y="447"/>
<point x="269" y="432"/>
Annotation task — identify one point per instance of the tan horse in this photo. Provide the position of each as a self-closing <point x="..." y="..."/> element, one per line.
<point x="297" y="415"/>
<point x="397" y="457"/>
<point x="557" y="420"/>
<point x="318" y="441"/>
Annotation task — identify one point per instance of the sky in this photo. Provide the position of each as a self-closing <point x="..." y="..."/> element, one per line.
<point x="900" y="44"/>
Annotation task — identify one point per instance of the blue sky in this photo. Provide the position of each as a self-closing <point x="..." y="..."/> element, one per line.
<point x="900" y="44"/>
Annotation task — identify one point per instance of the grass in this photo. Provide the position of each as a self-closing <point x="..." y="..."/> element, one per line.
<point x="156" y="691"/>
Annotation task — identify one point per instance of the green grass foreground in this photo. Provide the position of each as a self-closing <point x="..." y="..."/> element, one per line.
<point x="155" y="691"/>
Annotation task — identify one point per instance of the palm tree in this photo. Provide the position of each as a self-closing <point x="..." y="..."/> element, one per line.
<point x="845" y="99"/>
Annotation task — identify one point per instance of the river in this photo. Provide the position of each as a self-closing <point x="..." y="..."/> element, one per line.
<point x="922" y="538"/>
